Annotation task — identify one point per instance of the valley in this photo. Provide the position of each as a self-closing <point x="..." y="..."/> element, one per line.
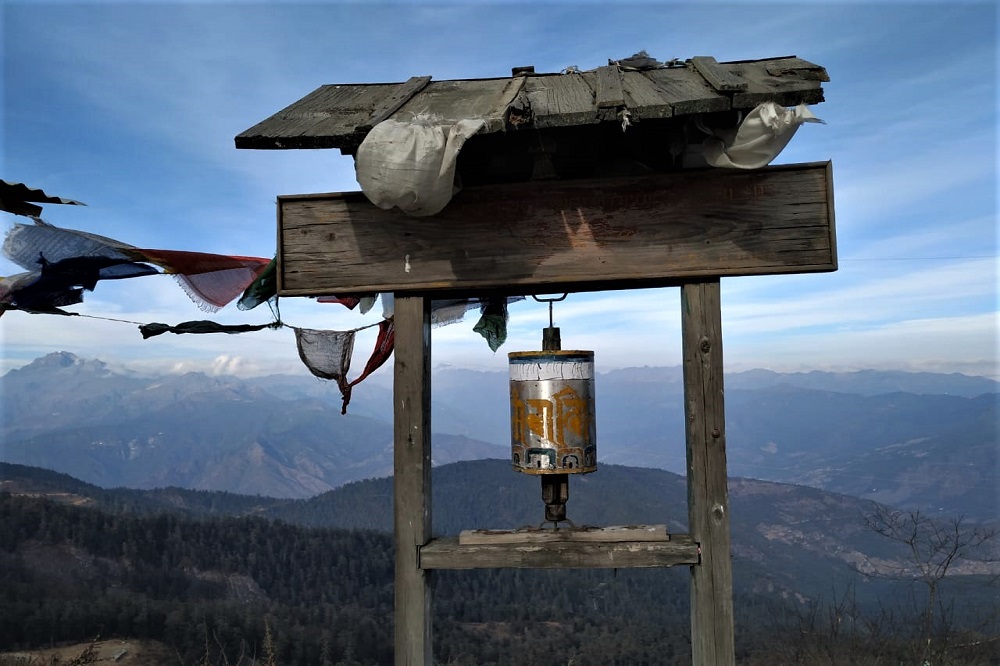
<point x="206" y="513"/>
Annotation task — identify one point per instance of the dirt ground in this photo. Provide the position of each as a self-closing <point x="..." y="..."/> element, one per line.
<point x="115" y="651"/>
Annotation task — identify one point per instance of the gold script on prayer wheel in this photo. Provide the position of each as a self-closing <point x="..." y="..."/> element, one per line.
<point x="552" y="417"/>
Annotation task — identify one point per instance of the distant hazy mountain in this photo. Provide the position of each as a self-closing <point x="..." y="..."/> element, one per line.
<point x="913" y="439"/>
<point x="868" y="382"/>
<point x="932" y="447"/>
<point x="936" y="452"/>
<point x="192" y="431"/>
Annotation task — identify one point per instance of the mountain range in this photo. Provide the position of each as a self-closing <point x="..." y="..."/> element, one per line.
<point x="786" y="539"/>
<point x="915" y="440"/>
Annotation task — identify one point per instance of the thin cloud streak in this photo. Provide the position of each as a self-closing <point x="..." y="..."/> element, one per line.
<point x="873" y="300"/>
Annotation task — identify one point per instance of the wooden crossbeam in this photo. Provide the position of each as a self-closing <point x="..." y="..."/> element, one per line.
<point x="612" y="534"/>
<point x="564" y="235"/>
<point x="448" y="553"/>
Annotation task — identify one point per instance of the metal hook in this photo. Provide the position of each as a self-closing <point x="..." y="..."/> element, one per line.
<point x="550" y="301"/>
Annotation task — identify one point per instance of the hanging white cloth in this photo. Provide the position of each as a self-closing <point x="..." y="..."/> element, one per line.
<point x="760" y="137"/>
<point x="411" y="165"/>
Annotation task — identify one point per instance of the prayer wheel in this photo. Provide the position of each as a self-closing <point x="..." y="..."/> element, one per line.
<point x="553" y="426"/>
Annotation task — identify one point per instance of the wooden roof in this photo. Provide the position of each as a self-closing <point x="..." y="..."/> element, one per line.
<point x="339" y="116"/>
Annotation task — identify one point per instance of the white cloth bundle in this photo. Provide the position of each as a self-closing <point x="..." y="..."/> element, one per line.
<point x="411" y="165"/>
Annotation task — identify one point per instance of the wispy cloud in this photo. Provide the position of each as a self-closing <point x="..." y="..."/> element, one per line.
<point x="867" y="299"/>
<point x="132" y="107"/>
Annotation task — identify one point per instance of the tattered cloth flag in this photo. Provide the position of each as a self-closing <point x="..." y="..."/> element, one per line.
<point x="263" y="289"/>
<point x="492" y="325"/>
<point x="26" y="243"/>
<point x="210" y="280"/>
<point x="63" y="282"/>
<point x="383" y="350"/>
<point x="327" y="354"/>
<point x="350" y="302"/>
<point x="68" y="257"/>
<point x="62" y="263"/>
<point x="202" y="326"/>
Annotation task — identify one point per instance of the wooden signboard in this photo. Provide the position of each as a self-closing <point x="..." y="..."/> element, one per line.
<point x="568" y="235"/>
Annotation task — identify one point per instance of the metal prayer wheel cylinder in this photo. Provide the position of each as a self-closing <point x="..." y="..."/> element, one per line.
<point x="553" y="426"/>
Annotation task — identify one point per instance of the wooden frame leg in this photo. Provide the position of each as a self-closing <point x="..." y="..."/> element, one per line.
<point x="712" y="640"/>
<point x="412" y="478"/>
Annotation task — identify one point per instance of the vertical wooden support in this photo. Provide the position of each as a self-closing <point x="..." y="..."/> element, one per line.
<point x="708" y="496"/>
<point x="412" y="478"/>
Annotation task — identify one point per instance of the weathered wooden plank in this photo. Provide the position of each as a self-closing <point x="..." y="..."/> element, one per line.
<point x="708" y="498"/>
<point x="585" y="234"/>
<point x="645" y="99"/>
<point x="447" y="553"/>
<point x="687" y="91"/>
<point x="390" y="104"/>
<point x="560" y="100"/>
<point x="451" y="101"/>
<point x="794" y="68"/>
<point x="325" y="118"/>
<point x="781" y="86"/>
<point x="616" y="533"/>
<point x="785" y="81"/>
<point x="719" y="76"/>
<point x="608" y="91"/>
<point x="412" y="478"/>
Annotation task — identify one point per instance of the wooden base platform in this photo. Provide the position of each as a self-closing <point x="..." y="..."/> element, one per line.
<point x="591" y="548"/>
<point x="588" y="534"/>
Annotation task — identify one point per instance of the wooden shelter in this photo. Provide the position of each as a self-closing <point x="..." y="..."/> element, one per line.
<point x="577" y="181"/>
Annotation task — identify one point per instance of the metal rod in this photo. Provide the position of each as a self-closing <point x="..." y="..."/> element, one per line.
<point x="550" y="301"/>
<point x="555" y="487"/>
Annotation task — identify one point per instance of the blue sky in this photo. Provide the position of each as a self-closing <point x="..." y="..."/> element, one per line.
<point x="132" y="107"/>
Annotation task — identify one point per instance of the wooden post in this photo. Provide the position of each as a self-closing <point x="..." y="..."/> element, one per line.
<point x="412" y="478"/>
<point x="708" y="496"/>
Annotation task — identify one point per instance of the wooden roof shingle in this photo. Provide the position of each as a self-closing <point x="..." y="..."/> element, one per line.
<point x="340" y="116"/>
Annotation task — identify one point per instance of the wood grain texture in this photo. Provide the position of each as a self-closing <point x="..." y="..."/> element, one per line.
<point x="390" y="104"/>
<point x="795" y="68"/>
<point x="777" y="83"/>
<point x="687" y="91"/>
<point x="447" y="553"/>
<point x="451" y="101"/>
<point x="611" y="534"/>
<point x="325" y="118"/>
<point x="645" y="99"/>
<point x="571" y="235"/>
<point x="608" y="92"/>
<point x="412" y="479"/>
<point x="708" y="496"/>
<point x="718" y="76"/>
<point x="560" y="100"/>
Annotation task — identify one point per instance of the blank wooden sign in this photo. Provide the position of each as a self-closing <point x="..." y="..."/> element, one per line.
<point x="566" y="235"/>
